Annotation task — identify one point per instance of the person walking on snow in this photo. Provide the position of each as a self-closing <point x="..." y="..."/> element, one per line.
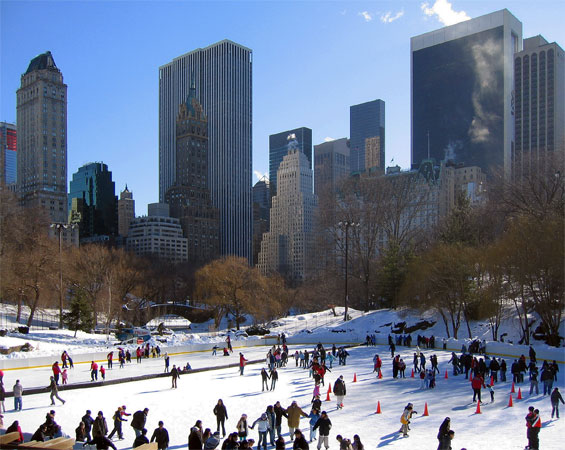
<point x="221" y="414"/>
<point x="340" y="391"/>
<point x="118" y="419"/>
<point x="555" y="399"/>
<point x="54" y="391"/>
<point x="242" y="362"/>
<point x="175" y="374"/>
<point x="263" y="428"/>
<point x="294" y="412"/>
<point x="477" y="384"/>
<point x="405" y="419"/>
<point x="325" y="425"/>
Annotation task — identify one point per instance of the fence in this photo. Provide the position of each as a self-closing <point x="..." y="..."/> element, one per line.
<point x="41" y="320"/>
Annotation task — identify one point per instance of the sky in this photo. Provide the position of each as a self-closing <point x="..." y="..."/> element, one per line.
<point x="312" y="60"/>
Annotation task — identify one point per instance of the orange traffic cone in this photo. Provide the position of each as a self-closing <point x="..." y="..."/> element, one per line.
<point x="426" y="413"/>
<point x="519" y="394"/>
<point x="329" y="388"/>
<point x="446" y="374"/>
<point x="412" y="376"/>
<point x="492" y="380"/>
<point x="478" y="411"/>
<point x="512" y="390"/>
<point x="355" y="378"/>
<point x="378" y="408"/>
<point x="510" y="404"/>
<point x="328" y="397"/>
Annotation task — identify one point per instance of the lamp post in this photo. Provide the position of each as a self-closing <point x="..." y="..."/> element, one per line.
<point x="346" y="225"/>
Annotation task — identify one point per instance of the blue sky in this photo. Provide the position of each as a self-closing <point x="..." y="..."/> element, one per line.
<point x="311" y="61"/>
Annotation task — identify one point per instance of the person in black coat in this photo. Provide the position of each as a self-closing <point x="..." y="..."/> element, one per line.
<point x="88" y="422"/>
<point x="161" y="436"/>
<point x="324" y="424"/>
<point x="555" y="398"/>
<point x="39" y="434"/>
<point x="221" y="416"/>
<point x="195" y="437"/>
<point x="444" y="430"/>
<point x="138" y="421"/>
<point x="102" y="443"/>
<point x="264" y="379"/>
<point x="141" y="439"/>
<point x="300" y="442"/>
<point x="279" y="413"/>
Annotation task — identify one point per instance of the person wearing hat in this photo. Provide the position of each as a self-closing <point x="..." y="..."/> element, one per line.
<point x="118" y="419"/>
<point x="339" y="391"/>
<point x="263" y="428"/>
<point x="325" y="425"/>
<point x="405" y="419"/>
<point x="293" y="414"/>
<point x="88" y="422"/>
<point x="99" y="427"/>
<point x="300" y="442"/>
<point x="161" y="436"/>
<point x="242" y="427"/>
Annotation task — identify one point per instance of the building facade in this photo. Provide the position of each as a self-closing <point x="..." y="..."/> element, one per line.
<point x="93" y="202"/>
<point x="331" y="164"/>
<point x="366" y="123"/>
<point x="261" y="208"/>
<point x="222" y="76"/>
<point x="279" y="146"/>
<point x="539" y="72"/>
<point x="189" y="197"/>
<point x="157" y="235"/>
<point x="126" y="211"/>
<point x="42" y="133"/>
<point x="8" y="155"/>
<point x="461" y="92"/>
<point x="288" y="245"/>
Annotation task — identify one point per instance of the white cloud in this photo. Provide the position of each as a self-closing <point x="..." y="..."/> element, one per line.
<point x="444" y="12"/>
<point x="389" y="17"/>
<point x="328" y="139"/>
<point x="260" y="175"/>
<point x="366" y="16"/>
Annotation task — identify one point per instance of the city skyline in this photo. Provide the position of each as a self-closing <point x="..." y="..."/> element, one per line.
<point x="113" y="110"/>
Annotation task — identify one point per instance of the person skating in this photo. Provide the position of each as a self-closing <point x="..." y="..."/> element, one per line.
<point x="175" y="375"/>
<point x="313" y="416"/>
<point x="56" y="371"/>
<point x="477" y="383"/>
<point x="344" y="443"/>
<point x="167" y="359"/>
<point x="102" y="372"/>
<point x="242" y="362"/>
<point x="161" y="436"/>
<point x="80" y="432"/>
<point x="324" y="424"/>
<point x="102" y="443"/>
<point x="88" y="422"/>
<point x="270" y="411"/>
<point x="340" y="391"/>
<point x="274" y="378"/>
<point x="445" y="442"/>
<point x="555" y="399"/>
<point x="490" y="388"/>
<point x="195" y="436"/>
<point x="93" y="371"/>
<point x="264" y="379"/>
<point x="213" y="441"/>
<point x="533" y="421"/>
<point x="405" y="419"/>
<point x="18" y="392"/>
<point x="138" y="421"/>
<point x="279" y="413"/>
<point x="99" y="427"/>
<point x="221" y="416"/>
<point x="357" y="444"/>
<point x="443" y="435"/>
<point x="110" y="359"/>
<point x="15" y="428"/>
<point x="263" y="428"/>
<point x="141" y="439"/>
<point x="118" y="419"/>
<point x="294" y="412"/>
<point x="54" y="391"/>
<point x="242" y="428"/>
<point x="300" y="442"/>
<point x="40" y="433"/>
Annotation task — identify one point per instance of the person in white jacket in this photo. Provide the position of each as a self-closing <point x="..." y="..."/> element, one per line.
<point x="263" y="428"/>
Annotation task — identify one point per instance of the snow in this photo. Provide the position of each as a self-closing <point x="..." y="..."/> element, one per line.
<point x="497" y="427"/>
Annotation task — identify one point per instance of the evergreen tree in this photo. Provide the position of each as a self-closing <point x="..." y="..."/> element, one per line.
<point x="79" y="316"/>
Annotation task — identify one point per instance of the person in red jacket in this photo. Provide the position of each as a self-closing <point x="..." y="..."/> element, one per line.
<point x="56" y="371"/>
<point x="477" y="383"/>
<point x="242" y="362"/>
<point x="15" y="427"/>
<point x="93" y="371"/>
<point x="103" y="372"/>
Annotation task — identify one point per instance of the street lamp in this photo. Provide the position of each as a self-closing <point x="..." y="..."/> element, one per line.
<point x="346" y="225"/>
<point x="60" y="227"/>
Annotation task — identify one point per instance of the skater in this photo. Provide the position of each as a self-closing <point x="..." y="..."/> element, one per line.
<point x="314" y="416"/>
<point x="357" y="444"/>
<point x="54" y="391"/>
<point x="555" y="399"/>
<point x="221" y="416"/>
<point x="93" y="371"/>
<point x="405" y="419"/>
<point x="88" y="422"/>
<point x="242" y="362"/>
<point x="138" y="421"/>
<point x="228" y="341"/>
<point x="274" y="378"/>
<point x="491" y="392"/>
<point x="195" y="436"/>
<point x="214" y="350"/>
<point x="141" y="439"/>
<point x="102" y="372"/>
<point x="56" y="371"/>
<point x="99" y="427"/>
<point x="443" y="434"/>
<point x="344" y="443"/>
<point x="534" y="380"/>
<point x="293" y="417"/>
<point x="161" y="436"/>
<point x="242" y="428"/>
<point x="534" y="428"/>
<point x="110" y="357"/>
<point x="212" y="442"/>
<point x="118" y="419"/>
<point x="263" y="428"/>
<point x="166" y="362"/>
<point x="445" y="442"/>
<point x="279" y="413"/>
<point x="2" y="398"/>
<point x="477" y="384"/>
<point x="175" y="374"/>
<point x="325" y="425"/>
<point x="300" y="442"/>
<point x="18" y="391"/>
<point x="272" y="423"/>
<point x="264" y="379"/>
<point x="340" y="391"/>
<point x="64" y="376"/>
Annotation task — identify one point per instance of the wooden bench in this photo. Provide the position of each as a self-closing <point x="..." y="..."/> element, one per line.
<point x="9" y="437"/>
<point x="150" y="446"/>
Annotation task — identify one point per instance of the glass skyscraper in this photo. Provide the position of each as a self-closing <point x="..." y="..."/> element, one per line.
<point x="222" y="77"/>
<point x="462" y="92"/>
<point x="367" y="130"/>
<point x="8" y="155"/>
<point x="279" y="146"/>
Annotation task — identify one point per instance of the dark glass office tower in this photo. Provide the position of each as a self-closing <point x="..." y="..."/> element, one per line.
<point x="222" y="75"/>
<point x="93" y="202"/>
<point x="462" y="84"/>
<point x="366" y="122"/>
<point x="278" y="149"/>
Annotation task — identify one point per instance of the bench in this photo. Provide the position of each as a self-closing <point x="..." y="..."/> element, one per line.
<point x="151" y="446"/>
<point x="9" y="437"/>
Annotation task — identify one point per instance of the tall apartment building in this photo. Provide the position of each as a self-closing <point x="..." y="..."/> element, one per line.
<point x="158" y="235"/>
<point x="461" y="92"/>
<point x="331" y="164"/>
<point x="261" y="207"/>
<point x="301" y="139"/>
<point x="42" y="136"/>
<point x="539" y="101"/>
<point x="287" y="247"/>
<point x="222" y="76"/>
<point x="189" y="196"/>
<point x="93" y="202"/>
<point x="367" y="134"/>
<point x="126" y="211"/>
<point x="8" y="153"/>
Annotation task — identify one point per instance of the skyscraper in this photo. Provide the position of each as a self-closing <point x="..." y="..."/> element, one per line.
<point x="8" y="155"/>
<point x="93" y="202"/>
<point x="539" y="101"/>
<point x="462" y="83"/>
<point x="261" y="207"/>
<point x="189" y="197"/>
<point x="287" y="247"/>
<point x="366" y="122"/>
<point x="42" y="133"/>
<point x="331" y="164"/>
<point x="278" y="149"/>
<point x="222" y="75"/>
<point x="126" y="211"/>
